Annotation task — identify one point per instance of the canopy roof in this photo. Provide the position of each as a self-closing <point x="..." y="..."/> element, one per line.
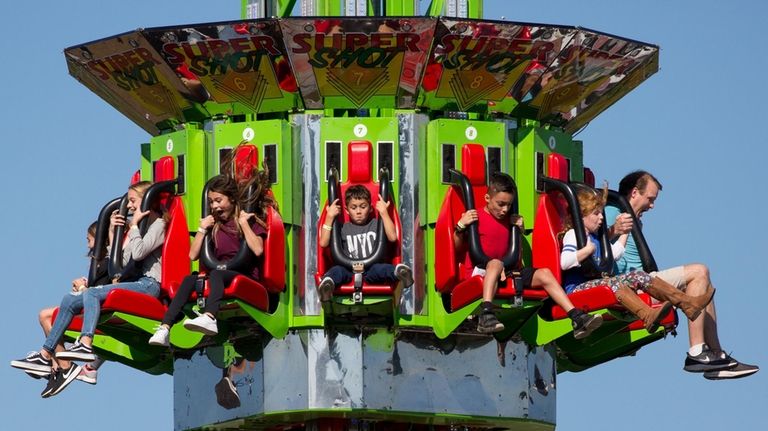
<point x="159" y="77"/>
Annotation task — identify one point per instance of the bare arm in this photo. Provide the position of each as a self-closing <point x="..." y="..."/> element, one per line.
<point x="466" y="219"/>
<point x="197" y="243"/>
<point x="389" y="226"/>
<point x="331" y="212"/>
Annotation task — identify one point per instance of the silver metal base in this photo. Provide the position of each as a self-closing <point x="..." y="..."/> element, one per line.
<point x="368" y="374"/>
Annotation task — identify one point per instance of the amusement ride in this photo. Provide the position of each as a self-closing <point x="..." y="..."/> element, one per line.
<point x="419" y="107"/>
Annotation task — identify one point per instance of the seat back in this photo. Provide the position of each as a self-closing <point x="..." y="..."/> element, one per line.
<point x="359" y="172"/>
<point x="550" y="216"/>
<point x="273" y="265"/>
<point x="175" y="258"/>
<point x="449" y="261"/>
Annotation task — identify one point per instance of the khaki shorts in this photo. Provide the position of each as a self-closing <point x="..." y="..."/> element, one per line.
<point x="674" y="276"/>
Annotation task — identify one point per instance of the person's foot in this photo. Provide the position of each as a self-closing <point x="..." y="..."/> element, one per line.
<point x="584" y="324"/>
<point x="88" y="375"/>
<point x="34" y="361"/>
<point x="77" y="352"/>
<point x="160" y="337"/>
<point x="488" y="323"/>
<point x="404" y="274"/>
<point x="325" y="289"/>
<point x="60" y="379"/>
<point x="736" y="372"/>
<point x="708" y="360"/>
<point x="203" y="323"/>
<point x="37" y="375"/>
<point x="226" y="394"/>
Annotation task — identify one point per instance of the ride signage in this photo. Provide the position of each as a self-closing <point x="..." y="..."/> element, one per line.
<point x="372" y="62"/>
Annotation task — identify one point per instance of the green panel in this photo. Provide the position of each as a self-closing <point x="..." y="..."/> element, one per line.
<point x="532" y="140"/>
<point x="189" y="143"/>
<point x="456" y="133"/>
<point x="146" y="163"/>
<point x="260" y="134"/>
<point x="344" y="130"/>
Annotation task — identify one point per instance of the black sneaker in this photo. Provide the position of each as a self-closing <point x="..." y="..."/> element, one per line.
<point x="740" y="370"/>
<point x="37" y="375"/>
<point x="33" y="362"/>
<point x="708" y="360"/>
<point x="226" y="394"/>
<point x="77" y="352"/>
<point x="584" y="324"/>
<point x="60" y="379"/>
<point x="488" y="324"/>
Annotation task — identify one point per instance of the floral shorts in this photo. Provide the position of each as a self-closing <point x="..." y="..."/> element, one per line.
<point x="634" y="280"/>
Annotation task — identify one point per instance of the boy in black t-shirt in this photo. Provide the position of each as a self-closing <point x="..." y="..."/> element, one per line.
<point x="359" y="239"/>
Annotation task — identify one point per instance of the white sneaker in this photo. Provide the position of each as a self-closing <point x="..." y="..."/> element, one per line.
<point x="88" y="375"/>
<point x="160" y="337"/>
<point x="202" y="323"/>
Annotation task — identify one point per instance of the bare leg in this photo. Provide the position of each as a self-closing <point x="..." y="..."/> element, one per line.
<point x="702" y="330"/>
<point x="493" y="271"/>
<point x="544" y="279"/>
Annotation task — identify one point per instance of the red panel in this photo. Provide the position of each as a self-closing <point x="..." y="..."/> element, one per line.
<point x="593" y="299"/>
<point x="136" y="177"/>
<point x="246" y="160"/>
<point x="137" y="304"/>
<point x="273" y="269"/>
<point x="359" y="162"/>
<point x="446" y="256"/>
<point x="248" y="290"/>
<point x="589" y="177"/>
<point x="473" y="165"/>
<point x="545" y="243"/>
<point x="557" y="167"/>
<point x="471" y="290"/>
<point x="165" y="169"/>
<point x="176" y="262"/>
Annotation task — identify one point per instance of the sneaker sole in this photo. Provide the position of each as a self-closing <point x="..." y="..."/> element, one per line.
<point x="593" y="323"/>
<point x="26" y="366"/>
<point x="702" y="368"/>
<point x="84" y="379"/>
<point x="161" y="343"/>
<point x="195" y="328"/>
<point x="728" y="374"/>
<point x="72" y="376"/>
<point x="489" y="330"/>
<point x="76" y="356"/>
<point x="37" y="375"/>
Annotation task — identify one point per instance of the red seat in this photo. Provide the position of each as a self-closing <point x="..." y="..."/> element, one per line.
<point x="449" y="263"/>
<point x="359" y="168"/>
<point x="175" y="265"/>
<point x="272" y="270"/>
<point x="546" y="246"/>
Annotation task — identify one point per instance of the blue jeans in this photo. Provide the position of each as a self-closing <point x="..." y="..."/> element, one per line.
<point x="89" y="302"/>
<point x="378" y="273"/>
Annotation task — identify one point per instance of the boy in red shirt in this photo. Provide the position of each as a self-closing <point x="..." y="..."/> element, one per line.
<point x="494" y="221"/>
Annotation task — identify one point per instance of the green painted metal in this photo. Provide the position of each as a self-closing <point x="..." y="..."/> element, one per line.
<point x="261" y="134"/>
<point x="190" y="145"/>
<point x="530" y="141"/>
<point x="455" y="133"/>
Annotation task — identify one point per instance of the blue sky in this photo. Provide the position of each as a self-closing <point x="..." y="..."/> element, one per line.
<point x="697" y="124"/>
